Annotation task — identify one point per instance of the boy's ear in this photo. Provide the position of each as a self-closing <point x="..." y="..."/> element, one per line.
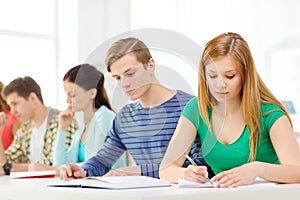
<point x="32" y="97"/>
<point x="151" y="65"/>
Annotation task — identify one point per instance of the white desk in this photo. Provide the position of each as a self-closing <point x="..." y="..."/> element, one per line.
<point x="36" y="189"/>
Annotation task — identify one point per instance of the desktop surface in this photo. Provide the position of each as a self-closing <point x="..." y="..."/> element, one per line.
<point x="31" y="189"/>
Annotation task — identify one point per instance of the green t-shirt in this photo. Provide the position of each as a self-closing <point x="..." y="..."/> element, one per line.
<point x="223" y="157"/>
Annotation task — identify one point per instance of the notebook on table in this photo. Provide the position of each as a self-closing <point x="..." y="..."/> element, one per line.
<point x="33" y="174"/>
<point x="113" y="182"/>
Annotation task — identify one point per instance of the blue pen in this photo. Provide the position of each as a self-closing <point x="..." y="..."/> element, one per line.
<point x="193" y="163"/>
<point x="85" y="169"/>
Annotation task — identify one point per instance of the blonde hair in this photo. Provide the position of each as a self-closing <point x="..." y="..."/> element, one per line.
<point x="254" y="91"/>
<point x="125" y="46"/>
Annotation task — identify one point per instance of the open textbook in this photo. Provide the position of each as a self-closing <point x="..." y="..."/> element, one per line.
<point x="113" y="182"/>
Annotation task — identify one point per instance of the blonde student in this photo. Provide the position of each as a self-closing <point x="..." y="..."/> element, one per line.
<point x="245" y="131"/>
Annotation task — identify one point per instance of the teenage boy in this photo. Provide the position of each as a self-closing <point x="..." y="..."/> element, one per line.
<point x="143" y="128"/>
<point x="33" y="142"/>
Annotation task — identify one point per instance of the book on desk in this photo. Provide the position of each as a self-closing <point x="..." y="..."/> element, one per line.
<point x="33" y="174"/>
<point x="113" y="182"/>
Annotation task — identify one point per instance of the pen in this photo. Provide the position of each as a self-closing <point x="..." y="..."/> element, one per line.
<point x="77" y="169"/>
<point x="85" y="169"/>
<point x="193" y="163"/>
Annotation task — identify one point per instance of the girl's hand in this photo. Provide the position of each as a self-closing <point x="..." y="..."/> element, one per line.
<point x="243" y="175"/>
<point x="3" y="120"/>
<point x="65" y="118"/>
<point x="196" y="174"/>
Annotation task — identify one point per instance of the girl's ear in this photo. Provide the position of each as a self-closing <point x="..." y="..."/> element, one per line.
<point x="93" y="93"/>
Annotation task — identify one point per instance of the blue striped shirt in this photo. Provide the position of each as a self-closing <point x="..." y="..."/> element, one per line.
<point x="145" y="133"/>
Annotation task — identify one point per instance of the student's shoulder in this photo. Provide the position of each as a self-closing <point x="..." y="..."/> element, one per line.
<point x="25" y="128"/>
<point x="192" y="104"/>
<point x="128" y="110"/>
<point x="181" y="93"/>
<point x="53" y="112"/>
<point x="131" y="107"/>
<point x="104" y="111"/>
<point x="183" y="96"/>
<point x="267" y="107"/>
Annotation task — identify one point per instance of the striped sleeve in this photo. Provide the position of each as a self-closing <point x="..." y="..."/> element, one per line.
<point x="102" y="162"/>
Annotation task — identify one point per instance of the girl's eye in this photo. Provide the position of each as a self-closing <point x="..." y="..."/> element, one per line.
<point x="230" y="77"/>
<point x="212" y="76"/>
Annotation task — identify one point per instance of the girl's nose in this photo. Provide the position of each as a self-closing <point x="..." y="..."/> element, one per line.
<point x="221" y="83"/>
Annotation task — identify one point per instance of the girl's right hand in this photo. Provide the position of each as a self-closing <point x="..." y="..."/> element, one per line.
<point x="65" y="118"/>
<point x="3" y="120"/>
<point x="196" y="174"/>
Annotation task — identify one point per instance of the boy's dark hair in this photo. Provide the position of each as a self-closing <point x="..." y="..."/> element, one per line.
<point x="23" y="87"/>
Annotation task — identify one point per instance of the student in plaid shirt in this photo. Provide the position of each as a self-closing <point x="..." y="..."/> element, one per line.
<point x="33" y="142"/>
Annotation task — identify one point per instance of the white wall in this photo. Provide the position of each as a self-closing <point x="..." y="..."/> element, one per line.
<point x="100" y="20"/>
<point x="271" y="28"/>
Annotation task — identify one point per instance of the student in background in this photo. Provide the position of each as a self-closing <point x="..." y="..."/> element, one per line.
<point x="84" y="86"/>
<point x="8" y="122"/>
<point x="245" y="131"/>
<point x="144" y="127"/>
<point x="34" y="141"/>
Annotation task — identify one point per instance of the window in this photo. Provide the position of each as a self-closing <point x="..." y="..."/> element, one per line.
<point x="28" y="43"/>
<point x="38" y="39"/>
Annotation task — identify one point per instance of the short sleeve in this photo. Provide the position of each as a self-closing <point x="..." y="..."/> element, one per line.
<point x="191" y="111"/>
<point x="270" y="114"/>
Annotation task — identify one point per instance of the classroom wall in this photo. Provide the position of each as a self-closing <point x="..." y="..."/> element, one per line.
<point x="270" y="27"/>
<point x="79" y="27"/>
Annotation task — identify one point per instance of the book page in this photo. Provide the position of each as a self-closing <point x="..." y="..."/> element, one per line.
<point x="186" y="183"/>
<point x="257" y="183"/>
<point x="114" y="182"/>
